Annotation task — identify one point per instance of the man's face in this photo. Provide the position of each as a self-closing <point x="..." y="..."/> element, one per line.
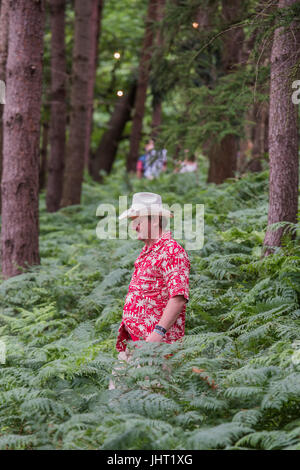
<point x="146" y="228"/>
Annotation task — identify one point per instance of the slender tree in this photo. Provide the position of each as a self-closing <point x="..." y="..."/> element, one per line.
<point x="157" y="99"/>
<point x="58" y="106"/>
<point x="73" y="174"/>
<point x="44" y="156"/>
<point x="143" y="79"/>
<point x="283" y="130"/>
<point x="259" y="136"/>
<point x="223" y="154"/>
<point x="92" y="68"/>
<point x="256" y="115"/>
<point x="107" y="149"/>
<point x="4" y="19"/>
<point x="255" y="145"/>
<point x="21" y="153"/>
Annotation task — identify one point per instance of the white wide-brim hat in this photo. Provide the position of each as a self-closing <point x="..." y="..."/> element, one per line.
<point x="146" y="204"/>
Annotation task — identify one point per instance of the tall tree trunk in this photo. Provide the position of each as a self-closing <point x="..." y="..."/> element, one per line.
<point x="4" y="20"/>
<point x="156" y="116"/>
<point x="222" y="159"/>
<point x="253" y="148"/>
<point x="107" y="149"/>
<point x="257" y="133"/>
<point x="74" y="165"/>
<point x="245" y="144"/>
<point x="92" y="68"/>
<point x="144" y="70"/>
<point x="157" y="99"/>
<point x="58" y="106"/>
<point x="223" y="156"/>
<point x="21" y="152"/>
<point x="260" y="115"/>
<point x="283" y="131"/>
<point x="44" y="155"/>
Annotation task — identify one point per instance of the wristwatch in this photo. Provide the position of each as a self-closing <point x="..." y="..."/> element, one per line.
<point x="160" y="330"/>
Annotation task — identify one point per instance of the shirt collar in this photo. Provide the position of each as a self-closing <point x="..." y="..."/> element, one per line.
<point x="159" y="242"/>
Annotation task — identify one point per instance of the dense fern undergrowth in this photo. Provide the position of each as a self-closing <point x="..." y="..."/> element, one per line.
<point x="233" y="383"/>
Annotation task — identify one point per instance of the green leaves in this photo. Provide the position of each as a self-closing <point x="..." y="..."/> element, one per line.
<point x="217" y="437"/>
<point x="231" y="384"/>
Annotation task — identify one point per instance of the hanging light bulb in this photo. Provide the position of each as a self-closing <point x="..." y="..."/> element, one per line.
<point x="195" y="25"/>
<point x="120" y="93"/>
<point x="117" y="55"/>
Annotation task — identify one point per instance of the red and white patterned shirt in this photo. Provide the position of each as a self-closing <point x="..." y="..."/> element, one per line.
<point x="161" y="272"/>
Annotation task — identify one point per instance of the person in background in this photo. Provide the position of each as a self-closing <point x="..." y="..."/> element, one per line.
<point x="140" y="166"/>
<point x="189" y="164"/>
<point x="152" y="162"/>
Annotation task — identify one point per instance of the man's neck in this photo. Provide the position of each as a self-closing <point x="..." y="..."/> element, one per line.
<point x="150" y="241"/>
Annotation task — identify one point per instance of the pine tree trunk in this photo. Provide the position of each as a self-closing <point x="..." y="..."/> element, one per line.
<point x="106" y="152"/>
<point x="156" y="117"/>
<point x="223" y="156"/>
<point x="144" y="70"/>
<point x="92" y="67"/>
<point x="255" y="134"/>
<point x="73" y="174"/>
<point x="21" y="152"/>
<point x="222" y="159"/>
<point x="260" y="113"/>
<point x="58" y="106"/>
<point x="4" y="20"/>
<point x="44" y="155"/>
<point x="157" y="100"/>
<point x="245" y="144"/>
<point x="283" y="131"/>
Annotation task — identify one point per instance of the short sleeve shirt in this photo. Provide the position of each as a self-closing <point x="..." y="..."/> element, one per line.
<point x="160" y="272"/>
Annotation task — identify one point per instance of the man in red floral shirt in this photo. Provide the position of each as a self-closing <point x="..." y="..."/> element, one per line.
<point x="155" y="304"/>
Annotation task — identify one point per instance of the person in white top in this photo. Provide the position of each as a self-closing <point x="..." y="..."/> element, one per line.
<point x="188" y="165"/>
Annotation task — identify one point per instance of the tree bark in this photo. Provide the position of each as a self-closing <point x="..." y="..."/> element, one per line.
<point x="260" y="114"/>
<point x="58" y="106"/>
<point x="107" y="149"/>
<point x="222" y="159"/>
<point x="253" y="148"/>
<point x="21" y="152"/>
<point x="44" y="155"/>
<point x="156" y="116"/>
<point x="283" y="131"/>
<point x="223" y="155"/>
<point x="256" y="134"/>
<point x="157" y="99"/>
<point x="4" y="20"/>
<point x="144" y="70"/>
<point x="92" y="67"/>
<point x="245" y="144"/>
<point x="74" y="164"/>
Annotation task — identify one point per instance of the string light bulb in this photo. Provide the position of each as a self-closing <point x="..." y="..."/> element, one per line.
<point x="195" y="25"/>
<point x="117" y="55"/>
<point x="120" y="93"/>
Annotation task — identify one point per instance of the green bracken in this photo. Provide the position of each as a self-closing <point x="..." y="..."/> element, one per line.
<point x="233" y="383"/>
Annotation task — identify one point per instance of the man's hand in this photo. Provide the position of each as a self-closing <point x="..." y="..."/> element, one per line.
<point x="171" y="312"/>
<point x="154" y="337"/>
